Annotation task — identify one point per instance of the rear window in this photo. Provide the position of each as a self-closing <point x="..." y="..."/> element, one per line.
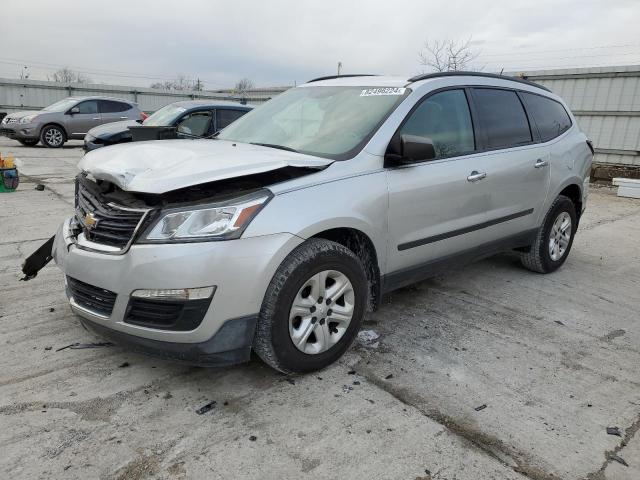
<point x="225" y="117"/>
<point x="111" y="106"/>
<point x="502" y="117"/>
<point x="550" y="116"/>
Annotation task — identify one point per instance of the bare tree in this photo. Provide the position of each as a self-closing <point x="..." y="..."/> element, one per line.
<point x="447" y="55"/>
<point x="243" y="86"/>
<point x="181" y="82"/>
<point x="66" y="75"/>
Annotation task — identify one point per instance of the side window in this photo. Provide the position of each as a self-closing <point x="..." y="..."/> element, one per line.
<point x="111" y="106"/>
<point x="89" y="106"/>
<point x="225" y="117"/>
<point x="195" y="123"/>
<point x="550" y="116"/>
<point x="443" y="118"/>
<point x="502" y="116"/>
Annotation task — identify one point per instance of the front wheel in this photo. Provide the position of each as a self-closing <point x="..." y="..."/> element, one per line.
<point x="53" y="136"/>
<point x="312" y="309"/>
<point x="554" y="239"/>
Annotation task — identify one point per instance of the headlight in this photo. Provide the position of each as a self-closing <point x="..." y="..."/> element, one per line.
<point x="28" y="119"/>
<point x="221" y="221"/>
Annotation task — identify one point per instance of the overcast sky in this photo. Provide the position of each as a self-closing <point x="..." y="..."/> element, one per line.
<point x="279" y="42"/>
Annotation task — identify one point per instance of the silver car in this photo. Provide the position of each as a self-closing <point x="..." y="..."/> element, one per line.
<point x="280" y="234"/>
<point x="70" y="118"/>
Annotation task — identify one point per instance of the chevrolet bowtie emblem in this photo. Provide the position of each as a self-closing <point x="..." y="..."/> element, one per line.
<point x="90" y="221"/>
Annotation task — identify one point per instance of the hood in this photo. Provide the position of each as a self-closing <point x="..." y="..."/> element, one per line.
<point x="165" y="165"/>
<point x="113" y="128"/>
<point x="24" y="113"/>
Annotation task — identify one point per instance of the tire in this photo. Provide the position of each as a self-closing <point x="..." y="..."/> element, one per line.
<point x="30" y="142"/>
<point x="53" y="136"/>
<point x="541" y="257"/>
<point x="315" y="259"/>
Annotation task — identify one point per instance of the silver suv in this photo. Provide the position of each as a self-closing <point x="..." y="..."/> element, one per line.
<point x="70" y="118"/>
<point x="281" y="233"/>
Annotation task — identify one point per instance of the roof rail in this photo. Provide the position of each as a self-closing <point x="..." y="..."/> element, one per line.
<point x="427" y="76"/>
<point x="330" y="77"/>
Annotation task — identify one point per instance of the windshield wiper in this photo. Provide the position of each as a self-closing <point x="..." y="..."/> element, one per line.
<point x="272" y="145"/>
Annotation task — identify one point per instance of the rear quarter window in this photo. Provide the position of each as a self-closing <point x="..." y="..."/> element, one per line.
<point x="502" y="118"/>
<point x="550" y="116"/>
<point x="111" y="106"/>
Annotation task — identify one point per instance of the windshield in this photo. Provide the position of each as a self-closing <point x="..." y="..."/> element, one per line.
<point x="329" y="122"/>
<point x="165" y="116"/>
<point x="62" y="105"/>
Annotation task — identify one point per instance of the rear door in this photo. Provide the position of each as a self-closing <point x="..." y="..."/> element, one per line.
<point x="517" y="165"/>
<point x="115" y="111"/>
<point x="78" y="124"/>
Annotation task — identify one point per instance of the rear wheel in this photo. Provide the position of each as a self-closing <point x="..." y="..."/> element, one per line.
<point x="312" y="309"/>
<point x="53" y="136"/>
<point x="30" y="142"/>
<point x="554" y="239"/>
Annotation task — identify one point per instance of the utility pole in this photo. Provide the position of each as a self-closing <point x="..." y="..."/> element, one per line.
<point x="339" y="67"/>
<point x="199" y="85"/>
<point x="24" y="73"/>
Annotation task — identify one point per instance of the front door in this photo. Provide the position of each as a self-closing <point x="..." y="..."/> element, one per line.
<point x="78" y="124"/>
<point x="436" y="207"/>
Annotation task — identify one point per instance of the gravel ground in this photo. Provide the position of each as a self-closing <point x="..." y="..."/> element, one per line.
<point x="555" y="359"/>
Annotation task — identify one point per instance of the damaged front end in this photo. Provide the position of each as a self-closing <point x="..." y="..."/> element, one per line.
<point x="109" y="219"/>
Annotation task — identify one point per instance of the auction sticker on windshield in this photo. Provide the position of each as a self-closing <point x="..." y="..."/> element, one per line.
<point x="370" y="92"/>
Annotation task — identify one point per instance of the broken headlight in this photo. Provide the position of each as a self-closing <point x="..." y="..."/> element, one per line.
<point x="221" y="221"/>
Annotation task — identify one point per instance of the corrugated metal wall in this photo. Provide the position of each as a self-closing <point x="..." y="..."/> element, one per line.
<point x="605" y="100"/>
<point x="606" y="103"/>
<point x="18" y="95"/>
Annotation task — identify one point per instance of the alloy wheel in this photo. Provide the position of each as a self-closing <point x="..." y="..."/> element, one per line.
<point x="321" y="312"/>
<point x="560" y="236"/>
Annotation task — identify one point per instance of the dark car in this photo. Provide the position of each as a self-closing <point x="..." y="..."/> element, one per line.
<point x="188" y="119"/>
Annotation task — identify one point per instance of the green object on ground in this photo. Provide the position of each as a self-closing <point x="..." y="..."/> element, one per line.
<point x="9" y="179"/>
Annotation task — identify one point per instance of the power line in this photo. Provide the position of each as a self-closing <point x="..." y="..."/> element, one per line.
<point x="527" y="52"/>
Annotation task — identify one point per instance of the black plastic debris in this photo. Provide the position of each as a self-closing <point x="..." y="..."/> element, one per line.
<point x="81" y="346"/>
<point x="52" y="309"/>
<point x="253" y="438"/>
<point x="481" y="407"/>
<point x="123" y="365"/>
<point x="558" y="322"/>
<point x="205" y="408"/>
<point x="616" y="458"/>
<point x="291" y="381"/>
<point x="356" y="382"/>
<point x="40" y="187"/>
<point x="351" y="372"/>
<point x="389" y="376"/>
<point x="614" y="431"/>
<point x="37" y="260"/>
<point x="48" y="348"/>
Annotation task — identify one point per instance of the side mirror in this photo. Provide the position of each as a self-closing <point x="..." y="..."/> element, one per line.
<point x="409" y="149"/>
<point x="416" y="149"/>
<point x="74" y="110"/>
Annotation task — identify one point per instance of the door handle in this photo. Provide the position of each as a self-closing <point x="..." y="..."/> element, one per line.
<point x="124" y="118"/>
<point x="475" y="176"/>
<point x="96" y="118"/>
<point x="541" y="163"/>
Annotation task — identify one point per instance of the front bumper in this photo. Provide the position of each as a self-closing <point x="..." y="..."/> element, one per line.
<point x="16" y="131"/>
<point x="241" y="271"/>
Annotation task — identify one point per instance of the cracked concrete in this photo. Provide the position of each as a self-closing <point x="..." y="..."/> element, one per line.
<point x="554" y="359"/>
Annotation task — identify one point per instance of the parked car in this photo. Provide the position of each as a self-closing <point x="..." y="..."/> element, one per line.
<point x="67" y="119"/>
<point x="281" y="233"/>
<point x="194" y="118"/>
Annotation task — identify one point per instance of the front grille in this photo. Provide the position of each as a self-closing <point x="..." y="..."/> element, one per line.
<point x="92" y="298"/>
<point x="103" y="222"/>
<point x="167" y="315"/>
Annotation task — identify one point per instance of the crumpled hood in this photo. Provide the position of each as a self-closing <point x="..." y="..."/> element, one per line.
<point x="165" y="165"/>
<point x="110" y="129"/>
